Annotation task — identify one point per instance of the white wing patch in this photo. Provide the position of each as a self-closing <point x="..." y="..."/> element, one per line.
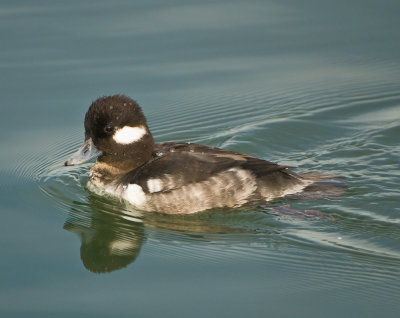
<point x="128" y="135"/>
<point x="154" y="185"/>
<point x="135" y="195"/>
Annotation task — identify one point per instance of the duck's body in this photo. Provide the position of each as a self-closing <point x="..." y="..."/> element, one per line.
<point x="187" y="178"/>
<point x="171" y="177"/>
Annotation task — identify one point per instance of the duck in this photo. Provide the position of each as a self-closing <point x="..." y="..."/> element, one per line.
<point x="171" y="177"/>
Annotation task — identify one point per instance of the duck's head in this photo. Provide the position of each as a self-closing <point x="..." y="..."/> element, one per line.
<point x="116" y="132"/>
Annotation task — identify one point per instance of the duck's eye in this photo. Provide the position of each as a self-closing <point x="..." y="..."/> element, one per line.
<point x="109" y="129"/>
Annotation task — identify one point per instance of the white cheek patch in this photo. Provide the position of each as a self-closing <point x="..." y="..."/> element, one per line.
<point x="128" y="135"/>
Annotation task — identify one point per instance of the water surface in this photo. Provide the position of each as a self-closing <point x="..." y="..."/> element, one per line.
<point x="313" y="85"/>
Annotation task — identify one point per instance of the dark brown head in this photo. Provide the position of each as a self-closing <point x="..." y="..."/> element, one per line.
<point x="116" y="131"/>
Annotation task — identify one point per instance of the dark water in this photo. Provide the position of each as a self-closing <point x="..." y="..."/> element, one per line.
<point x="310" y="84"/>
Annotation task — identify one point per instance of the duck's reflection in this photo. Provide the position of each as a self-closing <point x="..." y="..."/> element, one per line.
<point x="111" y="236"/>
<point x="108" y="241"/>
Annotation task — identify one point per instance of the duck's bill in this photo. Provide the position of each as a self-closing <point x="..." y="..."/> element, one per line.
<point x="85" y="153"/>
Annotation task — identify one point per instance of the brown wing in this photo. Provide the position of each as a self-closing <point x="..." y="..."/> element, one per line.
<point x="177" y="164"/>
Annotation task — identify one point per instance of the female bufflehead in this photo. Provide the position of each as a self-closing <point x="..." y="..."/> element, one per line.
<point x="173" y="178"/>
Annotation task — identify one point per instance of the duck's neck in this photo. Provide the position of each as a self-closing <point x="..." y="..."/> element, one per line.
<point x="113" y="164"/>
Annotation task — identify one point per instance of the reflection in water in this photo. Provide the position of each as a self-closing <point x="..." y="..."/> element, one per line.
<point x="111" y="239"/>
<point x="108" y="242"/>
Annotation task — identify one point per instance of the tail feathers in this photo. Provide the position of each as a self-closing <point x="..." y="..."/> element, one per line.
<point x="323" y="185"/>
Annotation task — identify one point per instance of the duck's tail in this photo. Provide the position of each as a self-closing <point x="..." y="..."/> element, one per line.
<point x="323" y="185"/>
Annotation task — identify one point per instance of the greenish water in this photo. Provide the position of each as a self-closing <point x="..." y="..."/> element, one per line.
<point x="310" y="84"/>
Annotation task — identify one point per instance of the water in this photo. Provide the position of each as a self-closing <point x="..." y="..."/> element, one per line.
<point x="310" y="84"/>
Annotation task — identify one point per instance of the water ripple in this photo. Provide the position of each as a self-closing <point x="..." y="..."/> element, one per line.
<point x="315" y="130"/>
